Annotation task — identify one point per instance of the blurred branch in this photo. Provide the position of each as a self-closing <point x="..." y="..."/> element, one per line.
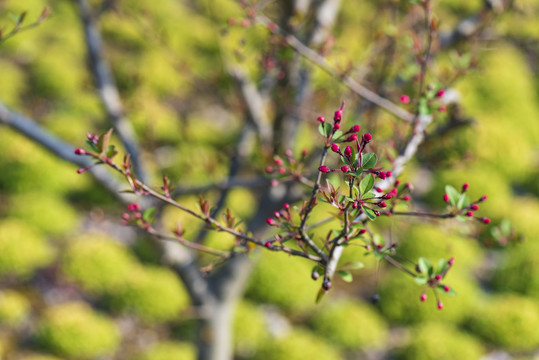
<point x="33" y="131"/>
<point x="107" y="89"/>
<point x="321" y="62"/>
<point x="18" y="25"/>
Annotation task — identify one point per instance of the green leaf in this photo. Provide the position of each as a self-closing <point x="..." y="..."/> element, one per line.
<point x="463" y="201"/>
<point x="453" y="194"/>
<point x="325" y="129"/>
<point x="370" y="214"/>
<point x="148" y="214"/>
<point x="442" y="266"/>
<point x="321" y="293"/>
<point x="425" y="266"/>
<point x="369" y="160"/>
<point x="337" y="135"/>
<point x="368" y="195"/>
<point x="345" y="275"/>
<point x="423" y="107"/>
<point x="355" y="191"/>
<point x="353" y="265"/>
<point x="366" y="184"/>
<point x="103" y="142"/>
<point x="420" y="280"/>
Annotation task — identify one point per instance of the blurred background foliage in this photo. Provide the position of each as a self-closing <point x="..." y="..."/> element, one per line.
<point x="76" y="285"/>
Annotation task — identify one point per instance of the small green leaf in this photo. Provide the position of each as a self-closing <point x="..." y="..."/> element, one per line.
<point x="368" y="195"/>
<point x="353" y="265"/>
<point x="321" y="293"/>
<point x="325" y="129"/>
<point x="337" y="135"/>
<point x="370" y="213"/>
<point x="345" y="275"/>
<point x="453" y="194"/>
<point x="369" y="160"/>
<point x="420" y="280"/>
<point x="366" y="184"/>
<point x="463" y="201"/>
<point x="425" y="266"/>
<point x="442" y="266"/>
<point x="149" y="214"/>
<point x="423" y="107"/>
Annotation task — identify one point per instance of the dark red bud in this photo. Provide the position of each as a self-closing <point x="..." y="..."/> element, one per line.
<point x="406" y="198"/>
<point x="133" y="207"/>
<point x="335" y="148"/>
<point x="440" y="305"/>
<point x="451" y="261"/>
<point x="446" y="198"/>
<point x="321" y="119"/>
<point x="345" y="169"/>
<point x="438" y="277"/>
<point x="367" y="137"/>
<point x="355" y="128"/>
<point x="465" y="187"/>
<point x="382" y="204"/>
<point x="469" y="214"/>
<point x="324" y="169"/>
<point x="447" y="288"/>
<point x="348" y="151"/>
<point x="474" y="207"/>
<point x="485" y="220"/>
<point x="440" y="93"/>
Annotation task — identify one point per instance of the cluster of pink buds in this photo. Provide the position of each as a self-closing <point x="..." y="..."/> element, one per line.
<point x="287" y="167"/>
<point x="436" y="282"/>
<point x="280" y="217"/>
<point x="432" y="95"/>
<point x="469" y="209"/>
<point x="134" y="214"/>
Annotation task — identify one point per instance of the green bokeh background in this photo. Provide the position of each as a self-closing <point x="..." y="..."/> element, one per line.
<point x="72" y="287"/>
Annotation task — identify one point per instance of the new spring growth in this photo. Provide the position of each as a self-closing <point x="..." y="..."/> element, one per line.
<point x="337" y="117"/>
<point x="405" y="99"/>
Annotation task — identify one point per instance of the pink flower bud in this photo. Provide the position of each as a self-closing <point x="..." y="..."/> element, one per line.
<point x="423" y="297"/>
<point x="338" y="114"/>
<point x="367" y="137"/>
<point x="485" y="220"/>
<point x="377" y="213"/>
<point x="382" y="204"/>
<point x="321" y="119"/>
<point x="451" y="261"/>
<point x="336" y="126"/>
<point x="440" y="93"/>
<point x="440" y="305"/>
<point x="387" y="196"/>
<point x="474" y="207"/>
<point x="80" y="152"/>
<point x="398" y="182"/>
<point x="379" y="189"/>
<point x="81" y="170"/>
<point x="274" y="183"/>
<point x="447" y="288"/>
<point x="269" y="169"/>
<point x="393" y="191"/>
<point x="348" y="151"/>
<point x="286" y="206"/>
<point x="379" y="246"/>
<point x="362" y="231"/>
<point x="405" y="99"/>
<point x="382" y="175"/>
<point x="271" y="222"/>
<point x="465" y="187"/>
<point x="345" y="169"/>
<point x="355" y="128"/>
<point x="282" y="170"/>
<point x="438" y="277"/>
<point x="324" y="169"/>
<point x="267" y="244"/>
<point x="277" y="214"/>
<point x="469" y="214"/>
<point x="278" y="161"/>
<point x="406" y="198"/>
<point x="483" y="198"/>
<point x="335" y="148"/>
<point x="446" y="198"/>
<point x="125" y="216"/>
<point x="133" y="207"/>
<point x="352" y="137"/>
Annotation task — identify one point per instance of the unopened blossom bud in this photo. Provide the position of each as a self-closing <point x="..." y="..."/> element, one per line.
<point x="440" y="305"/>
<point x="389" y="173"/>
<point x="423" y="297"/>
<point x="126" y="216"/>
<point x="451" y="261"/>
<point x="267" y="244"/>
<point x="382" y="175"/>
<point x="269" y="169"/>
<point x="348" y="151"/>
<point x="355" y="128"/>
<point x="406" y="198"/>
<point x="286" y="206"/>
<point x="80" y="152"/>
<point x="335" y="148"/>
<point x="438" y="277"/>
<point x="274" y="183"/>
<point x="326" y="285"/>
<point x="405" y="99"/>
<point x="336" y="126"/>
<point x="377" y="213"/>
<point x="485" y="220"/>
<point x="469" y="214"/>
<point x="315" y="275"/>
<point x="440" y="93"/>
<point x="446" y="198"/>
<point x="382" y="204"/>
<point x="367" y="137"/>
<point x="378" y="189"/>
<point x="338" y="114"/>
<point x="133" y="207"/>
<point x="483" y="198"/>
<point x="282" y="170"/>
<point x="474" y="207"/>
<point x="321" y="119"/>
<point x="397" y="182"/>
<point x="362" y="231"/>
<point x="81" y="170"/>
<point x="379" y="246"/>
<point x="277" y="214"/>
<point x="447" y="288"/>
<point x="465" y="187"/>
<point x="345" y="169"/>
<point x="442" y="109"/>
<point x="304" y="152"/>
<point x="324" y="169"/>
<point x="271" y="222"/>
<point x="278" y="161"/>
<point x="352" y="137"/>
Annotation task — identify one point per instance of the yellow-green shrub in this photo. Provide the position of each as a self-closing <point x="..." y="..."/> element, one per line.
<point x="168" y="350"/>
<point x="297" y="345"/>
<point x="249" y="329"/>
<point x="507" y="321"/>
<point x="351" y="324"/>
<point x="440" y="341"/>
<point x="75" y="331"/>
<point x="14" y="307"/>
<point x="22" y="249"/>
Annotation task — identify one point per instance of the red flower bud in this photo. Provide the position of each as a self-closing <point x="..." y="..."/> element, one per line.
<point x="406" y="198"/>
<point x="446" y="198"/>
<point x="367" y="137"/>
<point x="286" y="206"/>
<point x="345" y="169"/>
<point x="282" y="170"/>
<point x="321" y="119"/>
<point x="382" y="204"/>
<point x="382" y="175"/>
<point x="324" y="169"/>
<point x="267" y="244"/>
<point x="440" y="93"/>
<point x="469" y="214"/>
<point x="423" y="297"/>
<point x="465" y="187"/>
<point x="338" y="114"/>
<point x="271" y="222"/>
<point x="277" y="214"/>
<point x="278" y="161"/>
<point x="438" y="277"/>
<point x="485" y="220"/>
<point x="348" y="151"/>
<point x="447" y="288"/>
<point x="379" y="189"/>
<point x="336" y="126"/>
<point x="474" y="207"/>
<point x="352" y="137"/>
<point x="389" y="173"/>
<point x="405" y="99"/>
<point x="355" y="128"/>
<point x="483" y="198"/>
<point x="80" y="152"/>
<point x="362" y="231"/>
<point x="81" y="170"/>
<point x="269" y="169"/>
<point x="133" y="207"/>
<point x="442" y="109"/>
<point x="274" y="183"/>
<point x="440" y="305"/>
<point x="335" y="148"/>
<point x="451" y="261"/>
